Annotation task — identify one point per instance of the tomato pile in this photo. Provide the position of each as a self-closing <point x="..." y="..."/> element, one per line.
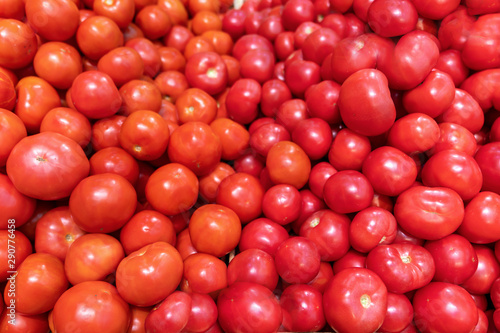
<point x="262" y="166"/>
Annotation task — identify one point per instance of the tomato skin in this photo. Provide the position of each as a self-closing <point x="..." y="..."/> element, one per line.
<point x="478" y="225"/>
<point x="454" y="136"/>
<point x="150" y="274"/>
<point x="300" y="75"/>
<point x="172" y="189"/>
<point x="253" y="265"/>
<point x="95" y="95"/>
<point x="171" y="314"/>
<point x="40" y="275"/>
<point x="444" y="307"/>
<point x="205" y="274"/>
<point x="450" y="62"/>
<point x="234" y="138"/>
<point x="52" y="161"/>
<point x="262" y="234"/>
<point x="402" y="267"/>
<point x="139" y="95"/>
<point x="314" y="136"/>
<point x="355" y="299"/>
<point x="464" y="111"/>
<point x="391" y="18"/>
<point x="370" y="227"/>
<point x="454" y="257"/>
<point x="20" y="35"/>
<point x="399" y="313"/>
<point x="302" y="308"/>
<point x="35" y="98"/>
<point x="479" y="51"/>
<point x="297" y="260"/>
<point x="98" y="35"/>
<point x="149" y="53"/>
<point x="416" y="132"/>
<point x="242" y="100"/>
<point x="207" y="71"/>
<point x="486" y="158"/>
<point x="265" y="136"/>
<point x="248" y="307"/>
<point x="24" y="323"/>
<point x="288" y="164"/>
<point x="122" y="64"/>
<point x="56" y="20"/>
<point x="115" y="160"/>
<point x="91" y="306"/>
<point x="281" y="203"/>
<point x="7" y="92"/>
<point x="441" y="170"/>
<point x="14" y="205"/>
<point x="347" y="191"/>
<point x="23" y="248"/>
<point x="68" y="122"/>
<point x="92" y="257"/>
<point x="348" y="150"/>
<point x="56" y="231"/>
<point x="367" y="87"/>
<point x="105" y="132"/>
<point x="214" y="229"/>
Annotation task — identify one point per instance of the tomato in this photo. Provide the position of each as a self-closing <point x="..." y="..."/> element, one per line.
<point x="233" y="136"/>
<point x="149" y="53"/>
<point x="16" y="207"/>
<point x="115" y="160"/>
<point x="291" y="113"/>
<point x="415" y="132"/>
<point x="302" y="307"/>
<point x="150" y="274"/>
<point x="399" y="313"/>
<point x="57" y="63"/>
<point x="69" y="123"/>
<point x="300" y="75"/>
<point x="402" y="267"/>
<point x="105" y="132"/>
<point x="194" y="104"/>
<point x="98" y="35"/>
<point x="464" y="111"/>
<point x="139" y="95"/>
<point x="348" y="150"/>
<point x="281" y="203"/>
<point x="214" y="229"/>
<point x="56" y="231"/>
<point x="488" y="270"/>
<point x="370" y="227"/>
<point x="172" y="189"/>
<point x="266" y="136"/>
<point x="351" y="259"/>
<point x="479" y="50"/>
<point x="355" y="299"/>
<point x="91" y="306"/>
<point x="20" y="41"/>
<point x="153" y="21"/>
<point x="455" y="136"/>
<point x="288" y="164"/>
<point x="262" y="234"/>
<point x="454" y="257"/>
<point x="23" y="323"/>
<point x="171" y="314"/>
<point x="92" y="257"/>
<point x="209" y="184"/>
<point x="47" y="166"/>
<point x="391" y="18"/>
<point x="203" y="313"/>
<point x="320" y="173"/>
<point x="35" y="98"/>
<point x="7" y="92"/>
<point x="122" y="64"/>
<point x="56" y="20"/>
<point x="175" y="9"/>
<point x="453" y="169"/>
<point x="120" y="11"/>
<point x="253" y="265"/>
<point x="138" y="319"/>
<point x="204" y="273"/>
<point x="369" y="88"/>
<point x="348" y="191"/>
<point x="248" y="307"/>
<point x="486" y="159"/>
<point x="444" y="307"/>
<point x="450" y="62"/>
<point x="242" y="100"/>
<point x="22" y="246"/>
<point x="297" y="260"/>
<point x="94" y="94"/>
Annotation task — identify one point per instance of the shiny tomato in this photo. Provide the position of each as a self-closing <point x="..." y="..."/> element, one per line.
<point x="242" y="100"/>
<point x="348" y="191"/>
<point x="486" y="159"/>
<point x="23" y="249"/>
<point x="149" y="53"/>
<point x="150" y="274"/>
<point x="115" y="160"/>
<point x="297" y="260"/>
<point x="233" y="136"/>
<point x="120" y="11"/>
<point x="98" y="35"/>
<point x="17" y="208"/>
<point x="194" y="104"/>
<point x="95" y="209"/>
<point x="348" y="150"/>
<point x="399" y="313"/>
<point x="209" y="184"/>
<point x="20" y="41"/>
<point x="262" y="234"/>
<point x="253" y="265"/>
<point x="355" y="299"/>
<point x="248" y="307"/>
<point x="139" y="95"/>
<point x="91" y="306"/>
<point x="47" y="166"/>
<point x="281" y="203"/>
<point x="92" y="257"/>
<point x="302" y="307"/>
<point x="488" y="270"/>
<point x="214" y="229"/>
<point x="122" y="64"/>
<point x="288" y="164"/>
<point x="154" y="22"/>
<point x="171" y="314"/>
<point x="69" y="123"/>
<point x="207" y="71"/>
<point x="56" y="231"/>
<point x="55" y="20"/>
<point x="204" y="273"/>
<point x="416" y="132"/>
<point x="370" y="227"/>
<point x="105" y="132"/>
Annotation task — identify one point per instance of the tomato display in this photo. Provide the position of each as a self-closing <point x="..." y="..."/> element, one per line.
<point x="249" y="166"/>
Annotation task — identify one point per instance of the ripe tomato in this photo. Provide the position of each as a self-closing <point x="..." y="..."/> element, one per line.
<point x="105" y="132"/>
<point x="209" y="184"/>
<point x="150" y="274"/>
<point x="172" y="189"/>
<point x="153" y="21"/>
<point x="121" y="11"/>
<point x="91" y="306"/>
<point x="23" y="323"/>
<point x="92" y="257"/>
<point x="347" y="191"/>
<point x="139" y="95"/>
<point x="204" y="273"/>
<point x="370" y="227"/>
<point x="115" y="160"/>
<point x="17" y="208"/>
<point x="98" y="35"/>
<point x="214" y="229"/>
<point x="122" y="64"/>
<point x="281" y="203"/>
<point x="47" y="166"/>
<point x="55" y="20"/>
<point x="69" y="123"/>
<point x="287" y="163"/>
<point x="194" y="104"/>
<point x="399" y="313"/>
<point x="207" y="71"/>
<point x="38" y="283"/>
<point x="96" y="209"/>
<point x="56" y="231"/>
<point x="355" y="299"/>
<point x="242" y="100"/>
<point x="416" y="132"/>
<point x="248" y="307"/>
<point x="18" y="44"/>
<point x="297" y="260"/>
<point x="262" y="234"/>
<point x="23" y="249"/>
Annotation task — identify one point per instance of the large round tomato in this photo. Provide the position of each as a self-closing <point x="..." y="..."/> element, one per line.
<point x="287" y="163"/>
<point x="18" y="44"/>
<point x="47" y="166"/>
<point x="93" y="306"/>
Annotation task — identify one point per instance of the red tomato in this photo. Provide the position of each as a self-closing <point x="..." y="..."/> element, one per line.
<point x="150" y="274"/>
<point x="12" y="241"/>
<point x="18" y="44"/>
<point x="47" y="166"/>
<point x="139" y="95"/>
<point x="454" y="257"/>
<point x="281" y="203"/>
<point x="369" y="88"/>
<point x="53" y="19"/>
<point x="370" y="227"/>
<point x="351" y="259"/>
<point x="209" y="184"/>
<point x="399" y="313"/>
<point x="149" y="53"/>
<point x="115" y="160"/>
<point x="486" y="158"/>
<point x="194" y="104"/>
<point x="265" y="136"/>
<point x="348" y="191"/>
<point x="455" y="136"/>
<point x="207" y="71"/>
<point x="92" y="257"/>
<point x="300" y="75"/>
<point x="203" y="313"/>
<point x="23" y="323"/>
<point x="95" y="209"/>
<point x="253" y="265"/>
<point x="416" y="132"/>
<point x="287" y="163"/>
<point x="38" y="283"/>
<point x="242" y="100"/>
<point x="91" y="306"/>
<point x="122" y="64"/>
<point x="248" y="307"/>
<point x="16" y="208"/>
<point x="402" y="267"/>
<point x="172" y="189"/>
<point x="488" y="270"/>
<point x="69" y="123"/>
<point x="348" y="150"/>
<point x="204" y="273"/>
<point x="329" y="231"/>
<point x="443" y="307"/>
<point x="234" y="138"/>
<point x="171" y="84"/>
<point x="355" y="299"/>
<point x="450" y="62"/>
<point x="302" y="307"/>
<point x="138" y="319"/>
<point x="297" y="260"/>
<point x="481" y="46"/>
<point x="105" y="132"/>
<point x="121" y="11"/>
<point x="242" y="193"/>
<point x="262" y="234"/>
<point x="214" y="229"/>
<point x="391" y="18"/>
<point x="56" y="231"/>
<point x="94" y="94"/>
<point x="145" y="135"/>
<point x="98" y="35"/>
<point x="153" y="21"/>
<point x="7" y="92"/>
<point x="430" y="213"/>
<point x="172" y="314"/>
